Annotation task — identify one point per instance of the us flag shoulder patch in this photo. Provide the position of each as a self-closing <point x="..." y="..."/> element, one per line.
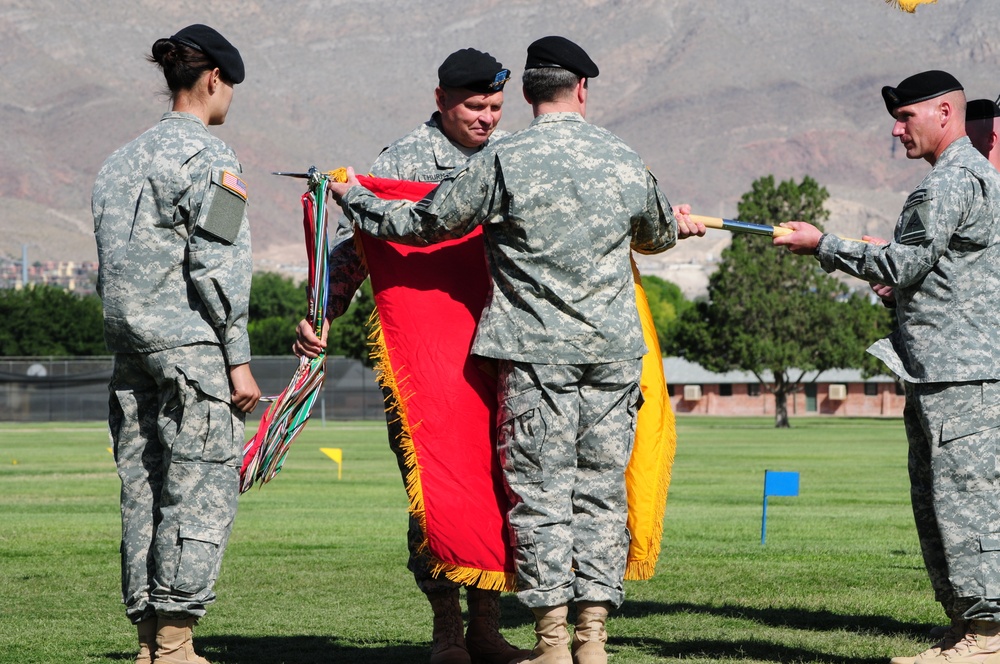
<point x="233" y="183"/>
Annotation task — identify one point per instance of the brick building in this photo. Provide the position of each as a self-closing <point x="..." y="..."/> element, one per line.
<point x="841" y="392"/>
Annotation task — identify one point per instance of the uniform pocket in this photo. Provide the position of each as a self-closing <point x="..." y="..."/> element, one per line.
<point x="520" y="437"/>
<point x="970" y="422"/>
<point x="529" y="574"/>
<point x="969" y="450"/>
<point x="989" y="564"/>
<point x="206" y="429"/>
<point x="201" y="548"/>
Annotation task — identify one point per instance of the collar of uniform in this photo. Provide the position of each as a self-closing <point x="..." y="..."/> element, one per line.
<point x="952" y="152"/>
<point x="558" y="117"/>
<point x="179" y="115"/>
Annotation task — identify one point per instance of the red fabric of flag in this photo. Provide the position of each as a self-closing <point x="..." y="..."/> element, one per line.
<point x="429" y="300"/>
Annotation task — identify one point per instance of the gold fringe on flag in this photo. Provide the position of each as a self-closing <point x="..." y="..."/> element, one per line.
<point x="909" y="5"/>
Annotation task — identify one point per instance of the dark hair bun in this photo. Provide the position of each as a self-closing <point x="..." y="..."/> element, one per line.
<point x="163" y="51"/>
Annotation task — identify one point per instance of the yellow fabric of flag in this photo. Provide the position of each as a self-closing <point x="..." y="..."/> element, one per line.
<point x="647" y="476"/>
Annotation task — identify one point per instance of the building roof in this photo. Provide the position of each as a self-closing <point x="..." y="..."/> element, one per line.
<point x="683" y="372"/>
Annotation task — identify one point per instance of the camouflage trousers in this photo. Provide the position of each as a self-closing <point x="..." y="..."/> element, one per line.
<point x="954" y="463"/>
<point x="418" y="563"/>
<point x="564" y="437"/>
<point x="177" y="443"/>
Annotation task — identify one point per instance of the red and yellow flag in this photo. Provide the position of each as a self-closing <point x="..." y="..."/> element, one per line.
<point x="428" y="303"/>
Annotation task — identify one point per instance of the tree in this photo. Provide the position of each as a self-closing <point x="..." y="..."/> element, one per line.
<point x="667" y="304"/>
<point x="770" y="310"/>
<point x="49" y="320"/>
<point x="276" y="307"/>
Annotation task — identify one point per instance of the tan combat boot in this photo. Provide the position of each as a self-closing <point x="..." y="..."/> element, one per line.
<point x="949" y="637"/>
<point x="486" y="644"/>
<point x="552" y="642"/>
<point x="449" y="643"/>
<point x="980" y="645"/>
<point x="147" y="640"/>
<point x="174" y="644"/>
<point x="590" y="636"/>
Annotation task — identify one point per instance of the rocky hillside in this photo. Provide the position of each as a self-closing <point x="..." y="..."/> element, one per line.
<point x="712" y="93"/>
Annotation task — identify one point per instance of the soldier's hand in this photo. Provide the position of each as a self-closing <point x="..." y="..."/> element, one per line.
<point x="245" y="394"/>
<point x="338" y="189"/>
<point x="884" y="292"/>
<point x="307" y="344"/>
<point x="803" y="241"/>
<point x="685" y="226"/>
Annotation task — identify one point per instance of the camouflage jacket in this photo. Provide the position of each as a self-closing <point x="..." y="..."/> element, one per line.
<point x="423" y="155"/>
<point x="561" y="203"/>
<point x="173" y="242"/>
<point x="944" y="267"/>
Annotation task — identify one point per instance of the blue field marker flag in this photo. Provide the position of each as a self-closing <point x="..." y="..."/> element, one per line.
<point x="776" y="484"/>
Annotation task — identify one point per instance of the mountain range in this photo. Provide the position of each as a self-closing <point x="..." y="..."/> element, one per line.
<point x="712" y="93"/>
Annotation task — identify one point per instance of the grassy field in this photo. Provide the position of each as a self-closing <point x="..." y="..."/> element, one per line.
<point x="315" y="570"/>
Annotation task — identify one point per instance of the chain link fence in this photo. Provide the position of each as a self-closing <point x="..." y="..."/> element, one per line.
<point x="75" y="389"/>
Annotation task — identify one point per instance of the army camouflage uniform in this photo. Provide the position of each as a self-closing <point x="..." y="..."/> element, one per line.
<point x="175" y="268"/>
<point x="944" y="267"/>
<point x="561" y="203"/>
<point x="423" y="155"/>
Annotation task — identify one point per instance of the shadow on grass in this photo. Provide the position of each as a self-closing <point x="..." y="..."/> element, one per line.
<point x="323" y="649"/>
<point x="796" y="618"/>
<point x="732" y="650"/>
<point x="298" y="650"/>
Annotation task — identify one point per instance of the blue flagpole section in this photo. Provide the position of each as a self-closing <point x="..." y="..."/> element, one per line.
<point x="776" y="484"/>
<point x="763" y="523"/>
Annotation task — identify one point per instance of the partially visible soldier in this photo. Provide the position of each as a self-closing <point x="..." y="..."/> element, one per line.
<point x="469" y="100"/>
<point x="175" y="266"/>
<point x="981" y="126"/>
<point x="943" y="266"/>
<point x="561" y="204"/>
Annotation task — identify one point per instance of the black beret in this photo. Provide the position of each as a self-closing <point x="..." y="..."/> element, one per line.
<point x="216" y="47"/>
<point x="560" y="52"/>
<point x="472" y="70"/>
<point x="981" y="109"/>
<point x="919" y="87"/>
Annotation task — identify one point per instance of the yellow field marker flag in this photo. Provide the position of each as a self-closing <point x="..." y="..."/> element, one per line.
<point x="337" y="455"/>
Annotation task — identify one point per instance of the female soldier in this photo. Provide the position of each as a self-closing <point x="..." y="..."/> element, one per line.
<point x="175" y="266"/>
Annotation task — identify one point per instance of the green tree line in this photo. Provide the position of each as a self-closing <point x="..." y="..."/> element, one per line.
<point x="49" y="320"/>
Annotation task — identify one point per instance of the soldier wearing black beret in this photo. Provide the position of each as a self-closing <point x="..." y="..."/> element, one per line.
<point x="981" y="126"/>
<point x="559" y="202"/>
<point x="942" y="272"/>
<point x="469" y="99"/>
<point x="170" y="222"/>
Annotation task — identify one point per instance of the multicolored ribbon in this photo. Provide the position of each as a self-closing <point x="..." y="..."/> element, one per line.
<point x="264" y="454"/>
